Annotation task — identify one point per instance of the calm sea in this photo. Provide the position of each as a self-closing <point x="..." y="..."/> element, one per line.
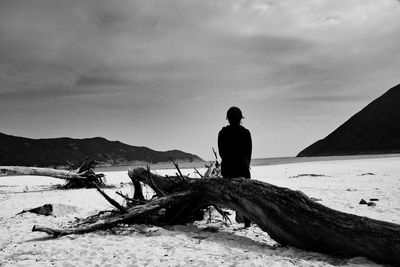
<point x="254" y="162"/>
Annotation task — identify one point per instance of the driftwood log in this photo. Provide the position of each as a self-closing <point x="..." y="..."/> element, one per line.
<point x="61" y="174"/>
<point x="289" y="217"/>
<point x="82" y="176"/>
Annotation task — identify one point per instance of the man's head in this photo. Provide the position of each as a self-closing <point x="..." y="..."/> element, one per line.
<point x="234" y="115"/>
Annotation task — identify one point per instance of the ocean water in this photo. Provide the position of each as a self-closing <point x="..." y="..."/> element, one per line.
<point x="288" y="160"/>
<point x="254" y="162"/>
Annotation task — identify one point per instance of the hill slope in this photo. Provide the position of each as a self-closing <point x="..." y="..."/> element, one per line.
<point x="373" y="130"/>
<point x="57" y="151"/>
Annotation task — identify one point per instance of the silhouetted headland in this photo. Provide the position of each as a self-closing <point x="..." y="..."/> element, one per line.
<point x="373" y="130"/>
<point x="59" y="151"/>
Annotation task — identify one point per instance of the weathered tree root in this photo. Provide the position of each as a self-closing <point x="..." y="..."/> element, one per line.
<point x="86" y="169"/>
<point x="111" y="221"/>
<point x="289" y="217"/>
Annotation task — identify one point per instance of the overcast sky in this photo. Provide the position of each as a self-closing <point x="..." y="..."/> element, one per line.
<point x="163" y="73"/>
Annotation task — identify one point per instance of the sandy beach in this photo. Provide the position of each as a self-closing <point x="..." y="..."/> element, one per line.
<point x="337" y="184"/>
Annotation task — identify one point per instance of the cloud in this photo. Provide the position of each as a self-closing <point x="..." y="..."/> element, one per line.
<point x="84" y="80"/>
<point x="191" y="54"/>
<point x="193" y="44"/>
<point x="323" y="99"/>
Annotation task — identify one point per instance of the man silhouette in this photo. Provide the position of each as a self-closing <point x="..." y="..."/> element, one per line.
<point x="235" y="147"/>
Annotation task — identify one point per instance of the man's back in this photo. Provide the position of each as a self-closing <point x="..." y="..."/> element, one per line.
<point x="234" y="145"/>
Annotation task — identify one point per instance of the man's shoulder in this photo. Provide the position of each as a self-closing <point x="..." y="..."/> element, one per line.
<point x="236" y="128"/>
<point x="244" y="129"/>
<point x="225" y="128"/>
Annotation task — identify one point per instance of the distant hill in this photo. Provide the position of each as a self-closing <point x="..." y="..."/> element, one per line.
<point x="373" y="130"/>
<point x="58" y="151"/>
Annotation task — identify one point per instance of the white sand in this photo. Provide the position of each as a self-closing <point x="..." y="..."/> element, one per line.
<point x="343" y="185"/>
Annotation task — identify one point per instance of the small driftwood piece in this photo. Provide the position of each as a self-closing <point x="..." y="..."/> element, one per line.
<point x="178" y="169"/>
<point x="210" y="170"/>
<point x="46" y="210"/>
<point x="216" y="158"/>
<point x="197" y="171"/>
<point x="150" y="182"/>
<point x="138" y="194"/>
<point x="133" y="201"/>
<point x="110" y="200"/>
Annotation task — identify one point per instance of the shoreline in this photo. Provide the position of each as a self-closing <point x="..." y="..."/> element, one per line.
<point x="254" y="162"/>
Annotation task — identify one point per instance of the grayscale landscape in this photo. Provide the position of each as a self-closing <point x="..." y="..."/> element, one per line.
<point x="110" y="124"/>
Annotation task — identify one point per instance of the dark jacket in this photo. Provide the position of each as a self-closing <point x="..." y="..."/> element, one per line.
<point x="234" y="145"/>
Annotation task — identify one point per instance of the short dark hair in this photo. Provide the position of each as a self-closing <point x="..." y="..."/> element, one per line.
<point x="234" y="115"/>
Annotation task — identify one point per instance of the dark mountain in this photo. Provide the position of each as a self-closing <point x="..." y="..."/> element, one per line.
<point x="373" y="130"/>
<point x="58" y="151"/>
